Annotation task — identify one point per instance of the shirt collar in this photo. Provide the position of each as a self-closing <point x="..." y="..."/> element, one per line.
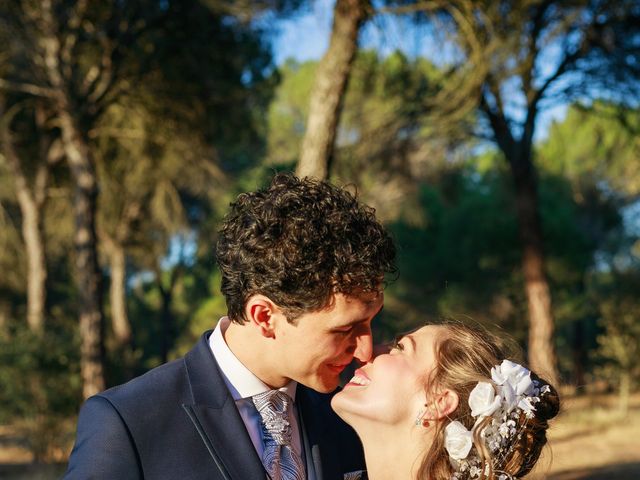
<point x="241" y="382"/>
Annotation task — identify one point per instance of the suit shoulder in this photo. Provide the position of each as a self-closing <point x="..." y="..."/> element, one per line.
<point x="102" y="429"/>
<point x="167" y="381"/>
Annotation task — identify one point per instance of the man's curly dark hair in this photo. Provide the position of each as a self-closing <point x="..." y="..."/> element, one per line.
<point x="298" y="242"/>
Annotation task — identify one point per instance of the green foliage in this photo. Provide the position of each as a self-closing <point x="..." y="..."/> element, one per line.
<point x="386" y="136"/>
<point x="185" y="109"/>
<point x="460" y="262"/>
<point x="287" y="114"/>
<point x="202" y="115"/>
<point x="12" y="254"/>
<point x="382" y="110"/>
<point x="597" y="144"/>
<point x="40" y="387"/>
<point x="462" y="259"/>
<point x="209" y="310"/>
<point x="619" y="343"/>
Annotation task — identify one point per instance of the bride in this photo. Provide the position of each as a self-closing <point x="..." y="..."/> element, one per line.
<point x="446" y="404"/>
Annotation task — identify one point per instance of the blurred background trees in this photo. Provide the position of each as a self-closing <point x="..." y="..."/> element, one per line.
<point x="125" y="132"/>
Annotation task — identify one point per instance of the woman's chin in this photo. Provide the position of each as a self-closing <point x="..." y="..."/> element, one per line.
<point x="336" y="404"/>
<point x="343" y="406"/>
<point x="350" y="408"/>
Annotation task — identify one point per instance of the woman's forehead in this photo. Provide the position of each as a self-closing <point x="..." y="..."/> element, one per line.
<point x="428" y="333"/>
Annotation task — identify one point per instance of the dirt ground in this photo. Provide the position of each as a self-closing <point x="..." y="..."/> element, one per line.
<point x="590" y="440"/>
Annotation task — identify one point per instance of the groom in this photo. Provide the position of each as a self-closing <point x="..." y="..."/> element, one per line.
<point x="302" y="267"/>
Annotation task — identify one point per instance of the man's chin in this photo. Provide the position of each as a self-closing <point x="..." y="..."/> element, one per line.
<point x="324" y="385"/>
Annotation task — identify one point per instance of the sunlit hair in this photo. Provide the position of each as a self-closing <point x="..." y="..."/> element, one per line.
<point x="298" y="242"/>
<point x="464" y="356"/>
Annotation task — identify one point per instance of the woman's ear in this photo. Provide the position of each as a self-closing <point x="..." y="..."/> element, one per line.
<point x="444" y="403"/>
<point x="261" y="313"/>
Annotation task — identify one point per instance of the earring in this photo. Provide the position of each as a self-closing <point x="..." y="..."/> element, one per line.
<point x="420" y="418"/>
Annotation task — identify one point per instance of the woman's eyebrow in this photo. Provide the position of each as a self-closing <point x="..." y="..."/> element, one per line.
<point x="408" y="337"/>
<point x="413" y="342"/>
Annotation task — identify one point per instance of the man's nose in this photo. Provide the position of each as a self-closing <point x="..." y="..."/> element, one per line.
<point x="364" y="346"/>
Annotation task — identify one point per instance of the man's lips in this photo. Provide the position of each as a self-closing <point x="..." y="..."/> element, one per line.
<point x="359" y="379"/>
<point x="337" y="367"/>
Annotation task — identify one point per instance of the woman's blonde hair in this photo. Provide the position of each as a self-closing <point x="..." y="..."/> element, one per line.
<point x="464" y="357"/>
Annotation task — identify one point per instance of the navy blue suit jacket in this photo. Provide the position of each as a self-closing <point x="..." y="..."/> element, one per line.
<point x="179" y="421"/>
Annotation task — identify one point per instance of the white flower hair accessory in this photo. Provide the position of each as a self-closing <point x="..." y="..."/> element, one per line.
<point x="457" y="440"/>
<point x="512" y="393"/>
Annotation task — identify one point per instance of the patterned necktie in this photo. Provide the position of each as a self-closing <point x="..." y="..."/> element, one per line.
<point x="357" y="475"/>
<point x="278" y="458"/>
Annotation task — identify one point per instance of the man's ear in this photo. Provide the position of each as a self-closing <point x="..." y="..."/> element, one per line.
<point x="444" y="404"/>
<point x="261" y="313"/>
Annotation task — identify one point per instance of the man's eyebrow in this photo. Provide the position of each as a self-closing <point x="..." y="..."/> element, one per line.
<point x="359" y="320"/>
<point x="353" y="322"/>
<point x="362" y="320"/>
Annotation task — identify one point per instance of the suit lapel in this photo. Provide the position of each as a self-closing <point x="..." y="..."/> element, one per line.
<point x="216" y="418"/>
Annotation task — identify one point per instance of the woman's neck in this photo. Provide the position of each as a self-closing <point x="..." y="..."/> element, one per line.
<point x="394" y="454"/>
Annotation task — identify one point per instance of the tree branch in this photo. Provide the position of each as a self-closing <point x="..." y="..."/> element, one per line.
<point x="537" y="26"/>
<point x="431" y="6"/>
<point x="501" y="131"/>
<point x="28" y="88"/>
<point x="70" y="41"/>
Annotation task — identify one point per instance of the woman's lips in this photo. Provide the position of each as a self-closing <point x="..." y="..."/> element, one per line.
<point x="360" y="379"/>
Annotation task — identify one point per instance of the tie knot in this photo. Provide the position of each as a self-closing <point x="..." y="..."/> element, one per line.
<point x="273" y="409"/>
<point x="272" y="400"/>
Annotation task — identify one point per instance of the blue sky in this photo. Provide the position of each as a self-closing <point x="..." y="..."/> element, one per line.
<point x="306" y="36"/>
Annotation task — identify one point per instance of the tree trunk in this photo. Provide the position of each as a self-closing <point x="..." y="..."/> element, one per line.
<point x="118" y="293"/>
<point x="32" y="235"/>
<point x="81" y="164"/>
<point x="329" y="89"/>
<point x="5" y="314"/>
<point x="541" y="352"/>
<point x="624" y="393"/>
<point x="579" y="353"/>
<point x="89" y="277"/>
<point x="167" y="333"/>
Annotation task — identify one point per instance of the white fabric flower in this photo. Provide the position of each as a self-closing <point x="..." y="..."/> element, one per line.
<point x="512" y="394"/>
<point x="457" y="440"/>
<point x="527" y="406"/>
<point x="513" y="374"/>
<point x="483" y="400"/>
<point x="509" y="397"/>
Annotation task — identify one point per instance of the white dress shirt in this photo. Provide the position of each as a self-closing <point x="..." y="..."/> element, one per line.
<point x="243" y="385"/>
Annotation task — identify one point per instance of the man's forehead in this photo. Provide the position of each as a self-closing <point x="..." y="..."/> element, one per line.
<point x="369" y="297"/>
